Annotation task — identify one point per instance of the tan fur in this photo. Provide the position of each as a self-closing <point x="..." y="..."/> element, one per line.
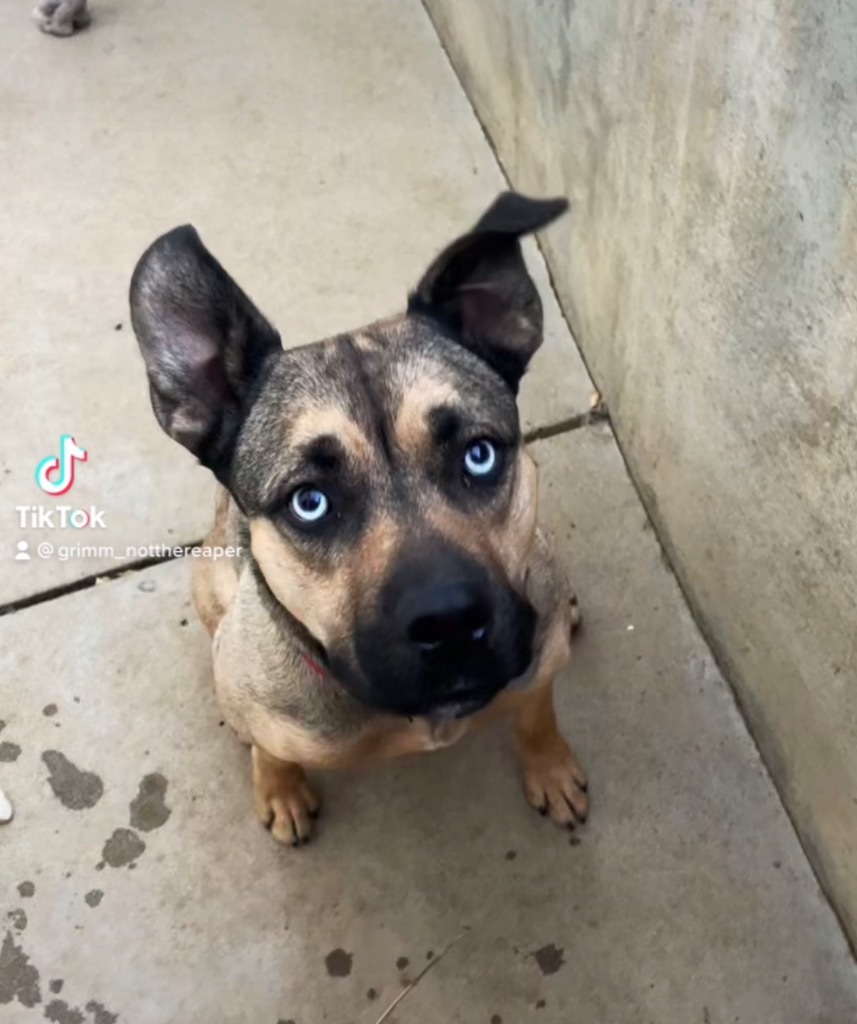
<point x="504" y="542"/>
<point x="411" y="427"/>
<point x="331" y="420"/>
<point x="318" y="600"/>
<point x="215" y="580"/>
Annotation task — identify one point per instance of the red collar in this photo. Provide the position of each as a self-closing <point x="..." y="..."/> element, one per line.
<point x="312" y="664"/>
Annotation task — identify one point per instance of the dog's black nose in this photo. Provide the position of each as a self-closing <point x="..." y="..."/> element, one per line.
<point x="444" y="615"/>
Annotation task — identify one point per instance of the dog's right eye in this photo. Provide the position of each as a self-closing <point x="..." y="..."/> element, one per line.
<point x="309" y="504"/>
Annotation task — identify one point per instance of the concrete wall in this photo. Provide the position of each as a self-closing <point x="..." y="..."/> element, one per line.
<point x="709" y="270"/>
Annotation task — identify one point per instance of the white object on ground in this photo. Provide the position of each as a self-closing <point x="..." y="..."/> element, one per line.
<point x="6" y="811"/>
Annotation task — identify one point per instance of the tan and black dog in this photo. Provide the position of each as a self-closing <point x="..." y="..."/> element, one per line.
<point x="393" y="590"/>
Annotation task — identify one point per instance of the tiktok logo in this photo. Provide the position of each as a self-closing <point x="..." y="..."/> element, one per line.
<point x="55" y="474"/>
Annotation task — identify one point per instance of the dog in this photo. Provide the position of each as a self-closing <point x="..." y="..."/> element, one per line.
<point x="392" y="591"/>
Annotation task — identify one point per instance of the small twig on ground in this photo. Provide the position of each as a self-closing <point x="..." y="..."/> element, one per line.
<point x="412" y="985"/>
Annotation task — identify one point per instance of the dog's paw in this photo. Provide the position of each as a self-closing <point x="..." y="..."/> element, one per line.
<point x="285" y="802"/>
<point x="556" y="784"/>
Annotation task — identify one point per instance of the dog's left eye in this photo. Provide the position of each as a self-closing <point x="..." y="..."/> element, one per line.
<point x="480" y="459"/>
<point x="309" y="504"/>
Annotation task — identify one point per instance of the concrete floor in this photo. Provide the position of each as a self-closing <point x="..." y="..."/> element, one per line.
<point x="325" y="153"/>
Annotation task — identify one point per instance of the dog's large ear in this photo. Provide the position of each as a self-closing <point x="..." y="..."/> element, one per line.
<point x="203" y="342"/>
<point x="480" y="287"/>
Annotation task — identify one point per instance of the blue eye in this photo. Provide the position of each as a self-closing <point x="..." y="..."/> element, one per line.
<point x="309" y="504"/>
<point x="480" y="459"/>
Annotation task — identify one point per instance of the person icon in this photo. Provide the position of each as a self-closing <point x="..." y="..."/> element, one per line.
<point x="23" y="553"/>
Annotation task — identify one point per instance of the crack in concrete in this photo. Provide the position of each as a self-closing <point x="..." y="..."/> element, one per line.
<point x="85" y="582"/>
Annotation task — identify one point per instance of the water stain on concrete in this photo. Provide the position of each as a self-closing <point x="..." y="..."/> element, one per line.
<point x="549" y="958"/>
<point x="338" y="963"/>
<point x="100" y="1012"/>
<point x="60" y="1012"/>
<point x="55" y="985"/>
<point x="148" y="808"/>
<point x="123" y="847"/>
<point x="49" y="710"/>
<point x="371" y="994"/>
<point x="511" y="854"/>
<point x="78" y="790"/>
<point x="402" y="963"/>
<point x="9" y="752"/>
<point x="496" y="1019"/>
<point x="18" y="919"/>
<point x="19" y="979"/>
<point x="26" y="890"/>
<point x="93" y="897"/>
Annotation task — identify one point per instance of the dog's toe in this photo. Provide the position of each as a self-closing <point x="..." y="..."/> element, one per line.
<point x="285" y="802"/>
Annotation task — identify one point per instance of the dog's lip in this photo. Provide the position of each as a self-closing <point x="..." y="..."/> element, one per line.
<point x="459" y="707"/>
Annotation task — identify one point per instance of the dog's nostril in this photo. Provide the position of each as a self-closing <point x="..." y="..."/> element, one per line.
<point x="447" y="615"/>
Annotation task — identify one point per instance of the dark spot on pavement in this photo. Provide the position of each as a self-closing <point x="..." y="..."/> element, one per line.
<point x="430" y="955"/>
<point x="9" y="751"/>
<point x="402" y="962"/>
<point x="549" y="959"/>
<point x="56" y="985"/>
<point x="183" y="622"/>
<point x="574" y="841"/>
<point x="101" y="1014"/>
<point x="78" y="790"/>
<point x="60" y="1012"/>
<point x="338" y="963"/>
<point x="148" y="810"/>
<point x="147" y="586"/>
<point x="496" y="1019"/>
<point x="289" y="1021"/>
<point x="778" y="864"/>
<point x="511" y="854"/>
<point x="99" y="866"/>
<point x="18" y="919"/>
<point x="93" y="897"/>
<point x="541" y="1004"/>
<point x="371" y="994"/>
<point x="122" y="847"/>
<point x="118" y="327"/>
<point x="26" y="889"/>
<point x="2" y="725"/>
<point x="49" y="710"/>
<point x="19" y="979"/>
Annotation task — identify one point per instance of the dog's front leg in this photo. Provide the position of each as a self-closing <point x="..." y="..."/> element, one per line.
<point x="554" y="779"/>
<point x="285" y="803"/>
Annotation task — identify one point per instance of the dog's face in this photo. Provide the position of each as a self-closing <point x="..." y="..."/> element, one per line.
<point x="391" y="505"/>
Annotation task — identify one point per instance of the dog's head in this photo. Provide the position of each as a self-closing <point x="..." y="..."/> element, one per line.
<point x="390" y="502"/>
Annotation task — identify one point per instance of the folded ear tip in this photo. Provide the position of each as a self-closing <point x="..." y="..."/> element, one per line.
<point x="516" y="214"/>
